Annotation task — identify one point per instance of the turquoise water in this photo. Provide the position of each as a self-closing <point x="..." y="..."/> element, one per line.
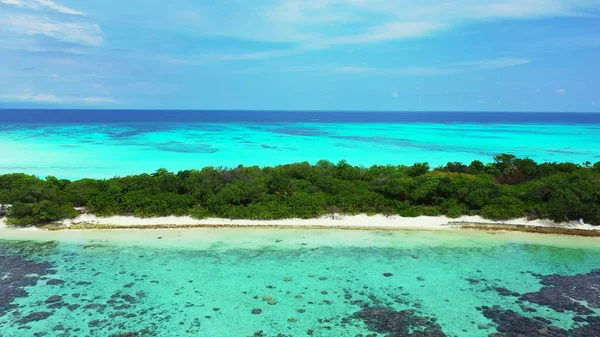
<point x="113" y="149"/>
<point x="207" y="282"/>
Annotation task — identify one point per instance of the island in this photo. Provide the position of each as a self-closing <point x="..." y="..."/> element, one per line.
<point x="505" y="188"/>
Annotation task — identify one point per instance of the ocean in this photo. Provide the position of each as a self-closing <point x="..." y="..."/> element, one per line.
<point x="291" y="282"/>
<point x="77" y="144"/>
<point x="274" y="282"/>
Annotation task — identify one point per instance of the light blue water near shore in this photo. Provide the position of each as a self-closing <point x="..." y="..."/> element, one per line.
<point x="105" y="150"/>
<point x="208" y="282"/>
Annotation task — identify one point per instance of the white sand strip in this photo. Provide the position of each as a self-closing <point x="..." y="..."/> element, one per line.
<point x="346" y="221"/>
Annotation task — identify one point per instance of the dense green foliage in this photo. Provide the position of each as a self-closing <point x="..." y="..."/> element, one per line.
<point x="506" y="188"/>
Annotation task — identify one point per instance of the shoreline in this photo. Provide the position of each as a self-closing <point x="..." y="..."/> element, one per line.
<point x="89" y="222"/>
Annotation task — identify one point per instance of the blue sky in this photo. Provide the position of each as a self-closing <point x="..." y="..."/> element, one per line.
<point x="506" y="55"/>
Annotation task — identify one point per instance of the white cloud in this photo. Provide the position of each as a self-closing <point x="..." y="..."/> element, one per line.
<point x="256" y="55"/>
<point x="39" y="4"/>
<point x="174" y="60"/>
<point x="494" y="63"/>
<point x="394" y="94"/>
<point x="21" y="3"/>
<point x="59" y="8"/>
<point x="449" y="69"/>
<point x="25" y="73"/>
<point x="561" y="92"/>
<point x="307" y="12"/>
<point x="304" y="25"/>
<point x="95" y="99"/>
<point x="286" y="69"/>
<point x="29" y="97"/>
<point x="453" y="68"/>
<point x="75" y="32"/>
<point x="323" y="23"/>
<point x="390" y="31"/>
<point x="401" y="71"/>
<point x="51" y="98"/>
<point x="208" y="58"/>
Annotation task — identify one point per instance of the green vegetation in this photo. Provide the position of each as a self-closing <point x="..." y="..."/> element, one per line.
<point x="506" y="188"/>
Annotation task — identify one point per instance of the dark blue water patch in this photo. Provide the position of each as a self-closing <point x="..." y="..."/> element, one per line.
<point x="523" y="152"/>
<point x="134" y="130"/>
<point x="203" y="128"/>
<point x="566" y="151"/>
<point x="496" y="129"/>
<point x="487" y="137"/>
<point x="124" y="134"/>
<point x="287" y="129"/>
<point x="346" y="145"/>
<point x="277" y="148"/>
<point x="42" y="132"/>
<point x="274" y="117"/>
<point x="379" y="140"/>
<point x="300" y="132"/>
<point x="522" y="132"/>
<point x="404" y="143"/>
<point x="10" y="127"/>
<point x="90" y="141"/>
<point x="484" y="133"/>
<point x="180" y="147"/>
<point x="399" y="142"/>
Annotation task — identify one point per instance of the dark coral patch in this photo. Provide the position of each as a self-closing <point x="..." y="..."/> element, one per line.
<point x="512" y="324"/>
<point x="564" y="292"/>
<point x="53" y="281"/>
<point x="17" y="272"/>
<point x="403" y="323"/>
<point x="34" y="317"/>
<point x="576" y="293"/>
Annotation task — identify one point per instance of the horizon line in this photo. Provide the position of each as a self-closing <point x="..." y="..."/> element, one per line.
<point x="300" y="110"/>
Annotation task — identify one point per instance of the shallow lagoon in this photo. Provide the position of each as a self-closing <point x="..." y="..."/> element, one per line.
<point x="207" y="282"/>
<point x="99" y="150"/>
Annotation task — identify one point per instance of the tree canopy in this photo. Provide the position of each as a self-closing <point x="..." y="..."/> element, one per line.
<point x="507" y="187"/>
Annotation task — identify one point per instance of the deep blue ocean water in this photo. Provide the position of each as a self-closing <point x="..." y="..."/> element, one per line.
<point x="226" y="116"/>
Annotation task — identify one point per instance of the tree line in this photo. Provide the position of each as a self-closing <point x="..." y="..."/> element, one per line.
<point x="508" y="187"/>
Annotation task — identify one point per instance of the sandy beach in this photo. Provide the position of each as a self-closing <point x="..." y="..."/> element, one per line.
<point x="345" y="221"/>
<point x="351" y="222"/>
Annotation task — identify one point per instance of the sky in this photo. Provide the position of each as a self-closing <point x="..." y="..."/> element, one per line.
<point x="391" y="55"/>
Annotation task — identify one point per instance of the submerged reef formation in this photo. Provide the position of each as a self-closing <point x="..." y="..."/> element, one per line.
<point x="380" y="316"/>
<point x="402" y="323"/>
<point x="562" y="292"/>
<point x="139" y="292"/>
<point x="513" y="324"/>
<point x="579" y="294"/>
<point x="16" y="273"/>
<point x="20" y="269"/>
